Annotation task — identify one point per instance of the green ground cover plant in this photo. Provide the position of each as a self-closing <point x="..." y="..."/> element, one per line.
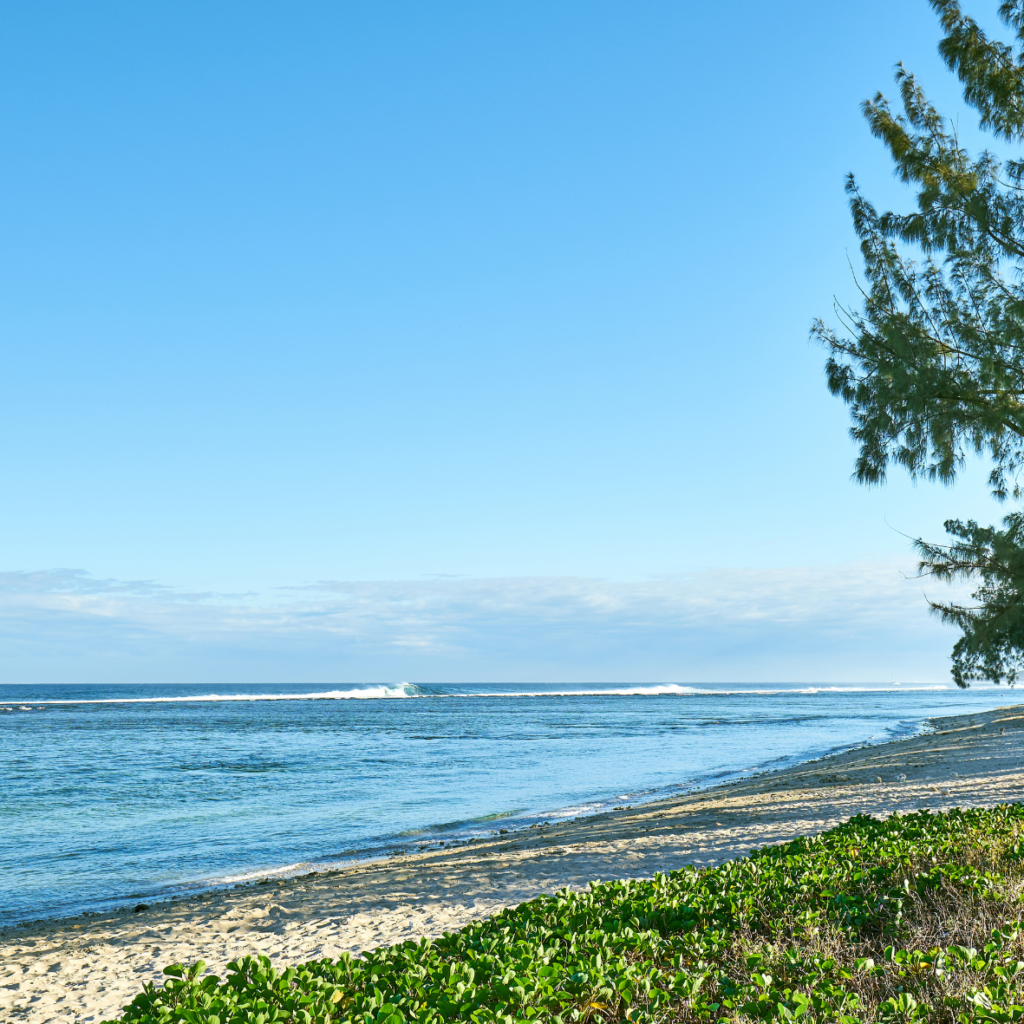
<point x="911" y="918"/>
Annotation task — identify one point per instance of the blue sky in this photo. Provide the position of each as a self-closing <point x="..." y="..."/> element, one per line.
<point x="493" y="313"/>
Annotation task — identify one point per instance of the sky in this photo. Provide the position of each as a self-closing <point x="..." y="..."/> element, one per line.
<point x="449" y="341"/>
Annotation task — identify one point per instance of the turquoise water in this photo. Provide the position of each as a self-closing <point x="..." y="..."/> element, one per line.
<point x="114" y="794"/>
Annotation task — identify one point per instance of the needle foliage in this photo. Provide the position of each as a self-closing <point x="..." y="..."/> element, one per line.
<point x="931" y="364"/>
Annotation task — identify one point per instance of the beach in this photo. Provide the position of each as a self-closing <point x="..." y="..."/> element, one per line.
<point x="87" y="968"/>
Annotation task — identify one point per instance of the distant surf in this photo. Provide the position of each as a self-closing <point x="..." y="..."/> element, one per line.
<point x="411" y="690"/>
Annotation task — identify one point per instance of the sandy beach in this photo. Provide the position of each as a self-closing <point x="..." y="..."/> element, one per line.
<point x="86" y="968"/>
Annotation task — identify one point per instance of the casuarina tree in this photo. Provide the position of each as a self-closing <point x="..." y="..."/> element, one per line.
<point x="931" y="364"/>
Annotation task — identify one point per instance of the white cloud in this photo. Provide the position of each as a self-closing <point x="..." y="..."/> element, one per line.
<point x="826" y="623"/>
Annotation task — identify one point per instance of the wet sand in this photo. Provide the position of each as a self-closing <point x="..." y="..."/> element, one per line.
<point x="87" y="968"/>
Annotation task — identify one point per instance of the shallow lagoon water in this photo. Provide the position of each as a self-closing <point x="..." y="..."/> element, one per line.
<point x="114" y="794"/>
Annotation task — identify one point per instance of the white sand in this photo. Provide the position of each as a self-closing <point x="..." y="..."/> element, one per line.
<point x="86" y="969"/>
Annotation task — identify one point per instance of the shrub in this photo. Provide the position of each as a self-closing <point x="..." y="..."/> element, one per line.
<point x="912" y="918"/>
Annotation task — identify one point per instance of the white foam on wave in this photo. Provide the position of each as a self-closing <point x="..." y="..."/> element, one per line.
<point x="249" y="876"/>
<point x="574" y="811"/>
<point x="358" y="693"/>
<point x="677" y="689"/>
<point x="410" y="691"/>
<point x="404" y="690"/>
<point x="653" y="690"/>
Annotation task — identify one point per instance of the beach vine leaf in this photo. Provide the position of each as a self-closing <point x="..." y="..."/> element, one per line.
<point x="931" y="364"/>
<point x="799" y="931"/>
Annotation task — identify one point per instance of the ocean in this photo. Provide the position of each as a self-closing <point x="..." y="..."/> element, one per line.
<point x="112" y="795"/>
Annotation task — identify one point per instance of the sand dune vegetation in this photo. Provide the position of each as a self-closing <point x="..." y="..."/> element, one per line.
<point x="910" y="918"/>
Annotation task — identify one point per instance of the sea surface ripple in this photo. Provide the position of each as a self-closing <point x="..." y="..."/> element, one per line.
<point x="115" y="794"/>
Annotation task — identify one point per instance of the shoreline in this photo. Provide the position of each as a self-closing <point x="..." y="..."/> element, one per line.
<point x="391" y="849"/>
<point x="85" y="968"/>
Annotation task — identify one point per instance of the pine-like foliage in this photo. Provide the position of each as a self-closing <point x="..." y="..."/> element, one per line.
<point x="932" y="365"/>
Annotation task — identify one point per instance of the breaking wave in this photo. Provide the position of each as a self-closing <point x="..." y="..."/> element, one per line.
<point x="411" y="690"/>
